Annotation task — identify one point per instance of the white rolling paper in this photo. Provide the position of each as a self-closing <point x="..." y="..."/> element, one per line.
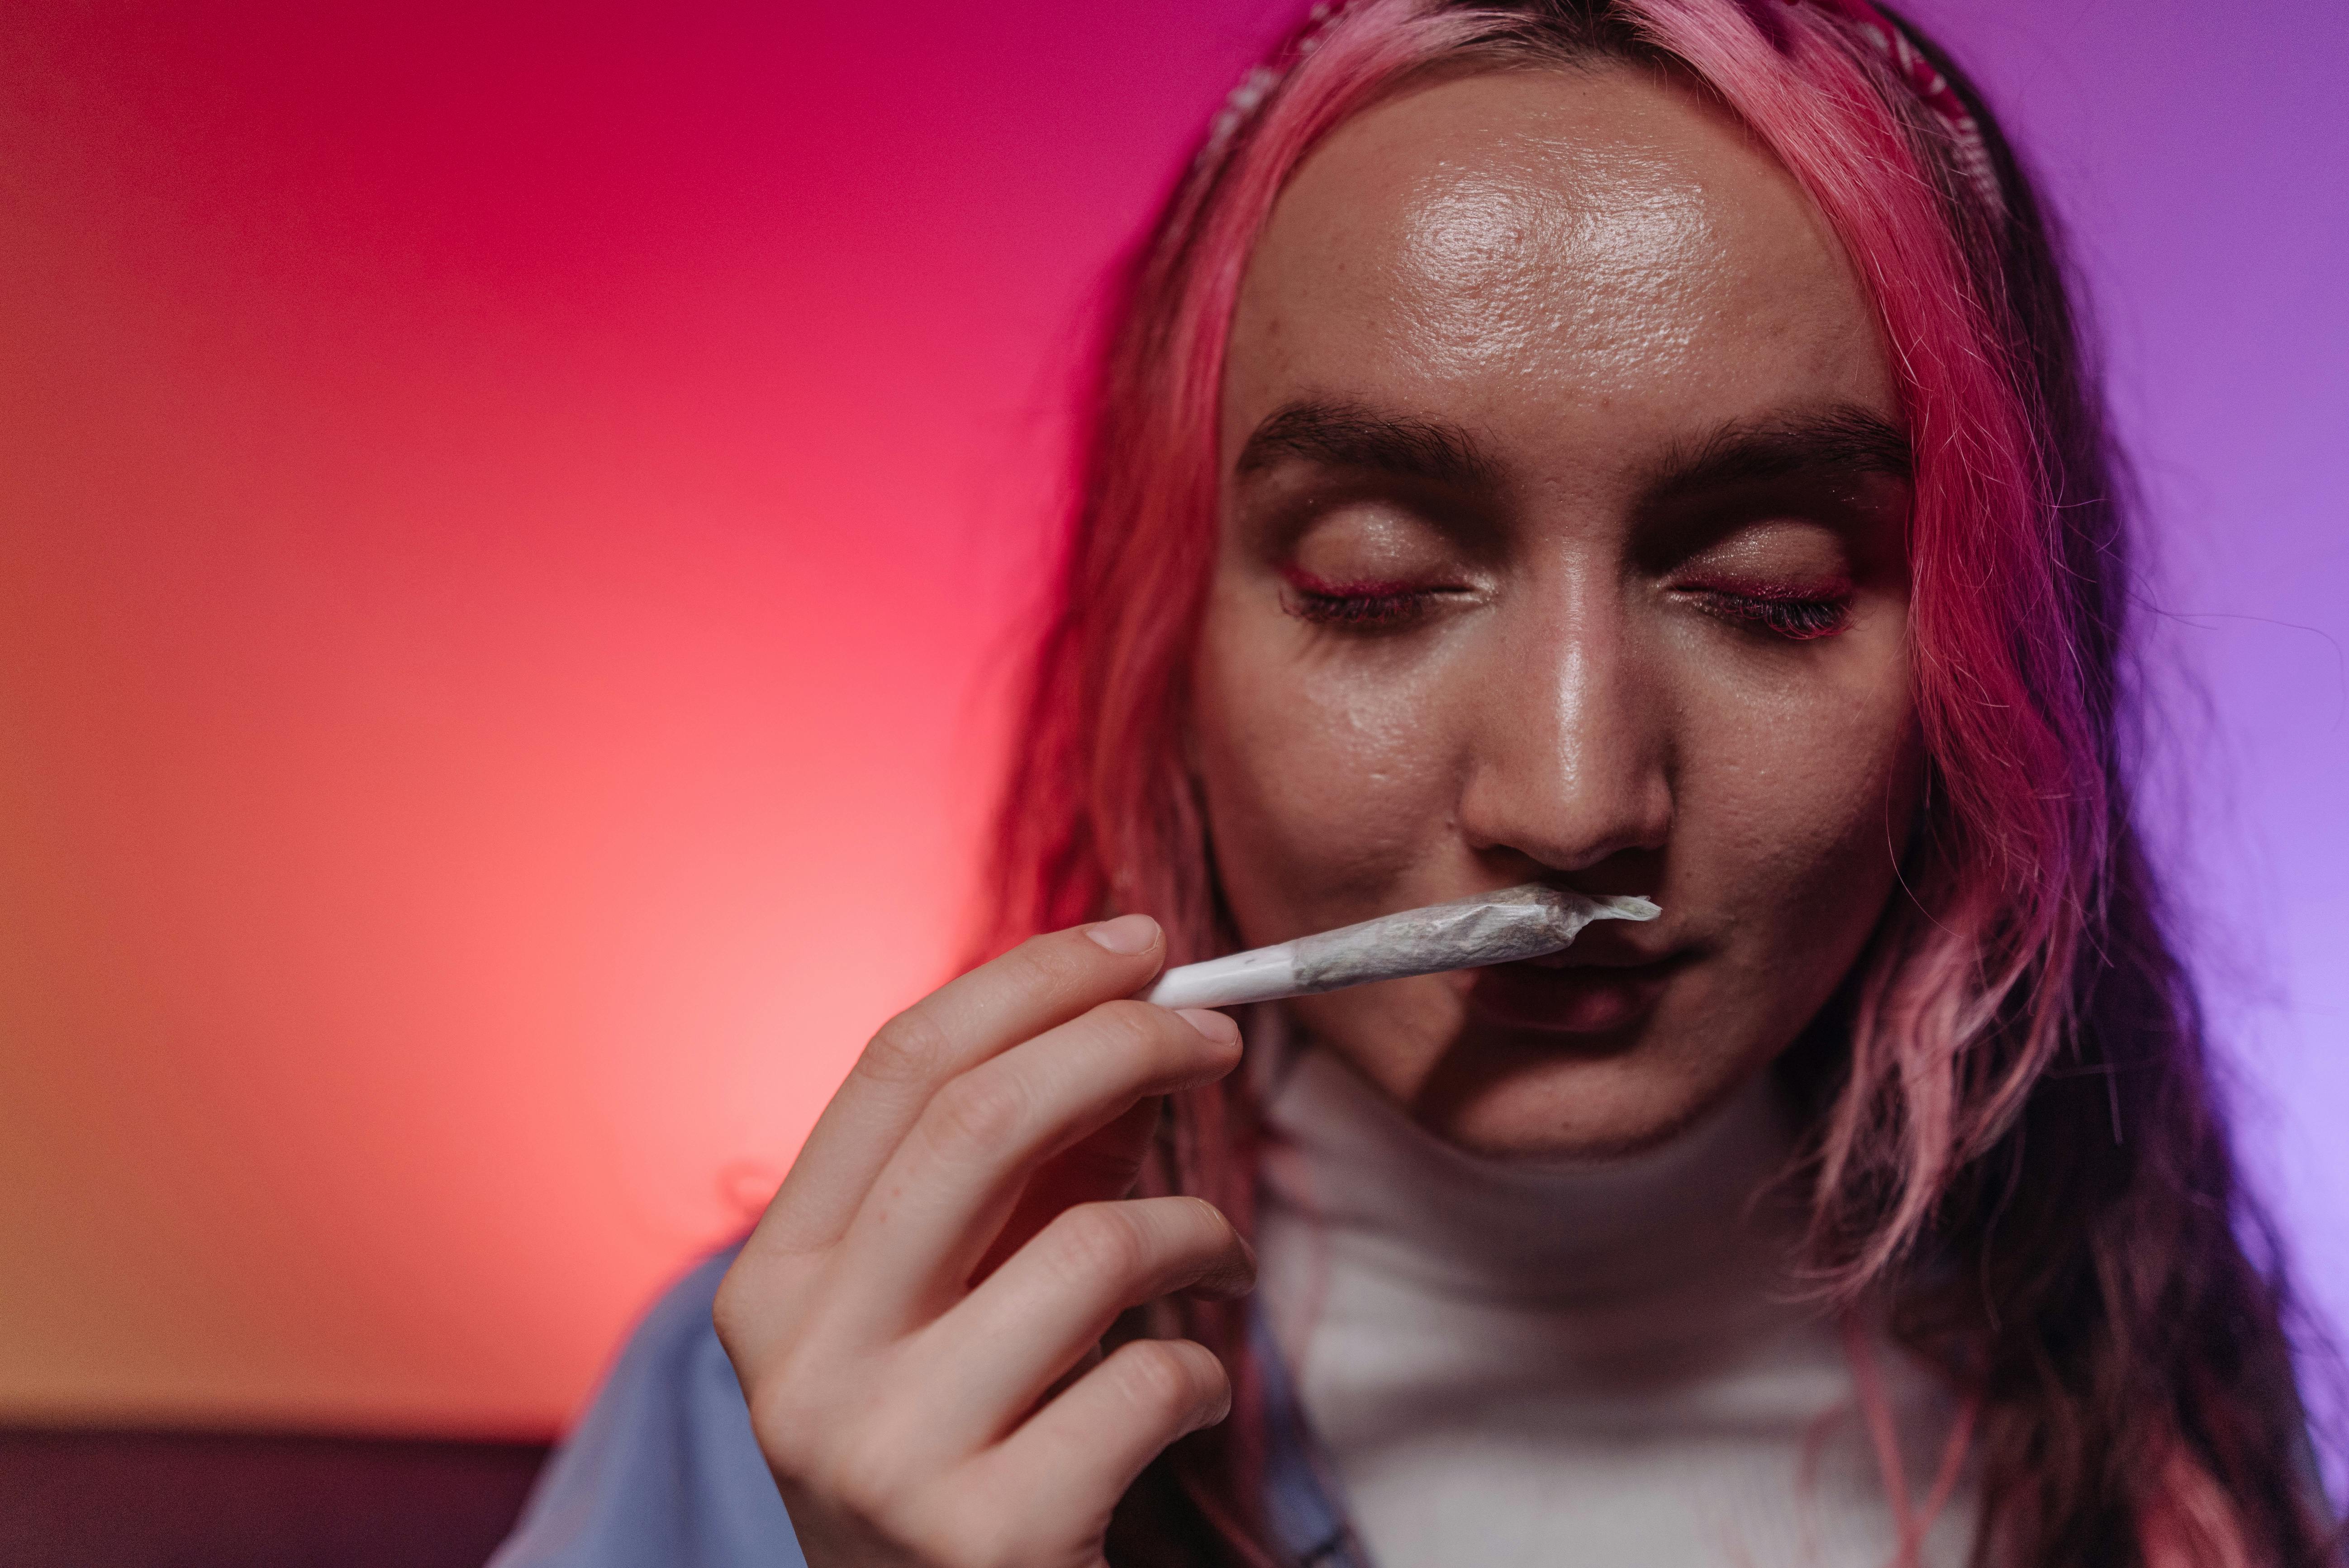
<point x="1465" y="934"/>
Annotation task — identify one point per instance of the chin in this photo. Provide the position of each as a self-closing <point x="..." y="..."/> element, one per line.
<point x="1577" y="1063"/>
<point x="1584" y="1060"/>
<point x="1514" y="1095"/>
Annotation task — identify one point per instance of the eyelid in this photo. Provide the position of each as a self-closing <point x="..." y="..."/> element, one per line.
<point x="1794" y="615"/>
<point x="1828" y="584"/>
<point x="1305" y="582"/>
<point x="1363" y="606"/>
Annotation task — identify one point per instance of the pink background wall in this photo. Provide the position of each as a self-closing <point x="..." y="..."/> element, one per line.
<point x="509" y="518"/>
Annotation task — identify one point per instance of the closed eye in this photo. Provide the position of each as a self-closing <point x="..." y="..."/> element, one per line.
<point x="1359" y="606"/>
<point x="1799" y="615"/>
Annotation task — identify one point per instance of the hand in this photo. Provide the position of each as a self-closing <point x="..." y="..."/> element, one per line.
<point x="917" y="1321"/>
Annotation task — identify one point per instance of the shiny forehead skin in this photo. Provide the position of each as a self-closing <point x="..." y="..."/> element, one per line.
<point x="1540" y="245"/>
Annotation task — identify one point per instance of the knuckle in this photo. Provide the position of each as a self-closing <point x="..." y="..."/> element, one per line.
<point x="808" y="1405"/>
<point x="730" y="1314"/>
<point x="1167" y="1378"/>
<point x="1046" y="969"/>
<point x="978" y="1112"/>
<point x="1098" y="1243"/>
<point x="752" y="1309"/>
<point x="785" y="1420"/>
<point x="1137" y="1027"/>
<point x="1037" y="964"/>
<point x="912" y="1047"/>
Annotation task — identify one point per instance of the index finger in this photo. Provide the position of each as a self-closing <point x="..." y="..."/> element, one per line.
<point x="1040" y="985"/>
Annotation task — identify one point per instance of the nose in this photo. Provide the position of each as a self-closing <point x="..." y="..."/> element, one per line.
<point x="1569" y="759"/>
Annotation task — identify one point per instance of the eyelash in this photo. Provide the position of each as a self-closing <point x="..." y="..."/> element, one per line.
<point x="1796" y="618"/>
<point x="1355" y="606"/>
<point x="1385" y="606"/>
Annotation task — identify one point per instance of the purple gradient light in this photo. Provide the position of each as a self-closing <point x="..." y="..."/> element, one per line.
<point x="2199" y="157"/>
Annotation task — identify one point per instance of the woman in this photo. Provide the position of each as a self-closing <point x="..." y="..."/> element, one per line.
<point x="1635" y="445"/>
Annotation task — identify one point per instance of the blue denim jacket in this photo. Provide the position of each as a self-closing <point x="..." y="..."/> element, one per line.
<point x="663" y="1471"/>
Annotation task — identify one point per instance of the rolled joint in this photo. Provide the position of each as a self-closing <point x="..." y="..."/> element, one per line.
<point x="1518" y="922"/>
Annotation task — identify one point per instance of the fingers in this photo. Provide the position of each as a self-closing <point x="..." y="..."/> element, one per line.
<point x="1044" y="1498"/>
<point x="1099" y="1167"/>
<point x="878" y="1382"/>
<point x="1077" y="1456"/>
<point x="933" y="1210"/>
<point x="1039" y="1313"/>
<point x="1042" y="982"/>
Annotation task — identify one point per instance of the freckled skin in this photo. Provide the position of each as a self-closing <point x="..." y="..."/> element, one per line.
<point x="1590" y="272"/>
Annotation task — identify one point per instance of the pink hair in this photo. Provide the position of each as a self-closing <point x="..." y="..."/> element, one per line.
<point x="2018" y="794"/>
<point x="1969" y="989"/>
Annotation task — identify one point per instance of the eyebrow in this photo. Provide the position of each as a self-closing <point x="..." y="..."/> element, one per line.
<point x="1842" y="439"/>
<point x="1350" y="436"/>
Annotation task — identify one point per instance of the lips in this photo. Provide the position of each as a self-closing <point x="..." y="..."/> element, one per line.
<point x="1585" y="990"/>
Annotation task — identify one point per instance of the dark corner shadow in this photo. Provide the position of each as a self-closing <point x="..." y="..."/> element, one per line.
<point x="237" y="1500"/>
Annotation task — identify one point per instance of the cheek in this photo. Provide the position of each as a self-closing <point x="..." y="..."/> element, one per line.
<point x="1323" y="779"/>
<point x="1794" y="805"/>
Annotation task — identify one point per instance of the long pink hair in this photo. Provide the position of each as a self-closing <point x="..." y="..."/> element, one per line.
<point x="2136" y="1387"/>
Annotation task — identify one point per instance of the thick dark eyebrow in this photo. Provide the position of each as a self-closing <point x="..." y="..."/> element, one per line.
<point x="1845" y="440"/>
<point x="1350" y="436"/>
<point x="1841" y="440"/>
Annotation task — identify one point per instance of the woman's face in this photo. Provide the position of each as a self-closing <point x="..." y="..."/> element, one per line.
<point x="1564" y="503"/>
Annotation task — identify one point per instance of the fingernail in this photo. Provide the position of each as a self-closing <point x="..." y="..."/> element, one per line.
<point x="1127" y="934"/>
<point x="1216" y="1026"/>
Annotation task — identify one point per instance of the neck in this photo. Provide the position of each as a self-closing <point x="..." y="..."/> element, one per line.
<point x="1687" y="1240"/>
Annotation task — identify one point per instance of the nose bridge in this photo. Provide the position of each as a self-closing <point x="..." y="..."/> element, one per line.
<point x="1571" y="752"/>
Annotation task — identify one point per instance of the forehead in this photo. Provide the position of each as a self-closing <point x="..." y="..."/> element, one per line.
<point x="1516" y="249"/>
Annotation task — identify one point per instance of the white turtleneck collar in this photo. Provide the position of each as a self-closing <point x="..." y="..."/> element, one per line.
<point x="1542" y="1365"/>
